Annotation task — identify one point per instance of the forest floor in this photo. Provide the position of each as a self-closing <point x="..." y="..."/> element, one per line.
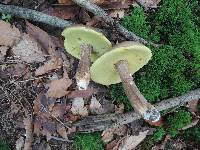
<point x="41" y="106"/>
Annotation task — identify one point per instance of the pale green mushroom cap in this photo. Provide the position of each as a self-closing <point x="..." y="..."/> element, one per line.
<point x="77" y="35"/>
<point x="103" y="69"/>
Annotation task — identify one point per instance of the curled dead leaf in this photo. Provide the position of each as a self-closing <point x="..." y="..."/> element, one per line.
<point x="95" y="106"/>
<point x="62" y="131"/>
<point x="78" y="107"/>
<point x="82" y="93"/>
<point x="28" y="50"/>
<point x="52" y="64"/>
<point x="58" y="88"/>
<point x="9" y="35"/>
<point x="59" y="110"/>
<point x="130" y="142"/>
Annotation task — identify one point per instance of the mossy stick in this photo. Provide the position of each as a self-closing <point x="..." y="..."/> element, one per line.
<point x="102" y="122"/>
<point x="34" y="15"/>
<point x="96" y="10"/>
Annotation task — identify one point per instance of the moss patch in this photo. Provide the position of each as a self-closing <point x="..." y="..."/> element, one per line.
<point x="174" y="68"/>
<point x="4" y="145"/>
<point x="88" y="142"/>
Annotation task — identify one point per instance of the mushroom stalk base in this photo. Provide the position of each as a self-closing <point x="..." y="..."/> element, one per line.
<point x="83" y="71"/>
<point x="137" y="100"/>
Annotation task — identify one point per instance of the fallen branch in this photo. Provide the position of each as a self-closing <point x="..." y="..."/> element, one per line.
<point x="102" y="122"/>
<point x="34" y="15"/>
<point x="96" y="10"/>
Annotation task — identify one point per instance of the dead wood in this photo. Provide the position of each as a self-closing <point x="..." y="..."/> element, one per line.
<point x="34" y="16"/>
<point x="102" y="122"/>
<point x="98" y="11"/>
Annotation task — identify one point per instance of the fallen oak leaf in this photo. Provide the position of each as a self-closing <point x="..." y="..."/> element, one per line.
<point x="78" y="107"/>
<point x="41" y="37"/>
<point x="193" y="105"/>
<point x="82" y="93"/>
<point x="130" y="142"/>
<point x="95" y="106"/>
<point x="62" y="131"/>
<point x="52" y="64"/>
<point x="58" y="88"/>
<point x="59" y="110"/>
<point x="9" y="35"/>
<point x="28" y="50"/>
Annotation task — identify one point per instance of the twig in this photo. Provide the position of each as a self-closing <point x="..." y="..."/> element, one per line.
<point x="96" y="10"/>
<point x="34" y="15"/>
<point x="102" y="122"/>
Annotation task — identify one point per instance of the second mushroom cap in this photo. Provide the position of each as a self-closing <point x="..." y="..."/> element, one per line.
<point x="103" y="69"/>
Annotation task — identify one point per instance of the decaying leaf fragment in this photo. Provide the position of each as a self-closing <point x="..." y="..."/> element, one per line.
<point x="54" y="63"/>
<point x="108" y="134"/>
<point x="78" y="107"/>
<point x="58" y="88"/>
<point x="28" y="50"/>
<point x="3" y="51"/>
<point x="9" y="35"/>
<point x="130" y="142"/>
<point x="96" y="107"/>
<point x="29" y="133"/>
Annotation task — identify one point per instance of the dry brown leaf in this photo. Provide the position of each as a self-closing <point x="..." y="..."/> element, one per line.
<point x="37" y="127"/>
<point x="192" y="105"/>
<point x="3" y="51"/>
<point x="19" y="143"/>
<point x="49" y="128"/>
<point x="82" y="93"/>
<point x="28" y="50"/>
<point x="117" y="13"/>
<point x="130" y="142"/>
<point x="62" y="131"/>
<point x="58" y="88"/>
<point x="9" y="36"/>
<point x="41" y="37"/>
<point x="78" y="107"/>
<point x="95" y="106"/>
<point x="108" y="134"/>
<point x="62" y="12"/>
<point x="149" y="3"/>
<point x="29" y="133"/>
<point x="107" y="4"/>
<point x="59" y="110"/>
<point x="54" y="63"/>
<point x="111" y="145"/>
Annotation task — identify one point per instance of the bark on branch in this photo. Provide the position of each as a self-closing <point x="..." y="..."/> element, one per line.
<point x="96" y="10"/>
<point x="102" y="122"/>
<point x="34" y="15"/>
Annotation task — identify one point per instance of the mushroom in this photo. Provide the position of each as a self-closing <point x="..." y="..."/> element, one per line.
<point x="87" y="45"/>
<point x="118" y="65"/>
<point x="75" y="36"/>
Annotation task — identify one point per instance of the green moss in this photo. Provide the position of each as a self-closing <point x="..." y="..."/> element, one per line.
<point x="177" y="121"/>
<point x="192" y="134"/>
<point x="158" y="135"/>
<point x="4" y="145"/>
<point x="88" y="142"/>
<point x="174" y="68"/>
<point x="6" y="17"/>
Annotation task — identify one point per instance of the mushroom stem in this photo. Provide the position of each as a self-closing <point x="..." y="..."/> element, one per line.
<point x="137" y="100"/>
<point x="83" y="71"/>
